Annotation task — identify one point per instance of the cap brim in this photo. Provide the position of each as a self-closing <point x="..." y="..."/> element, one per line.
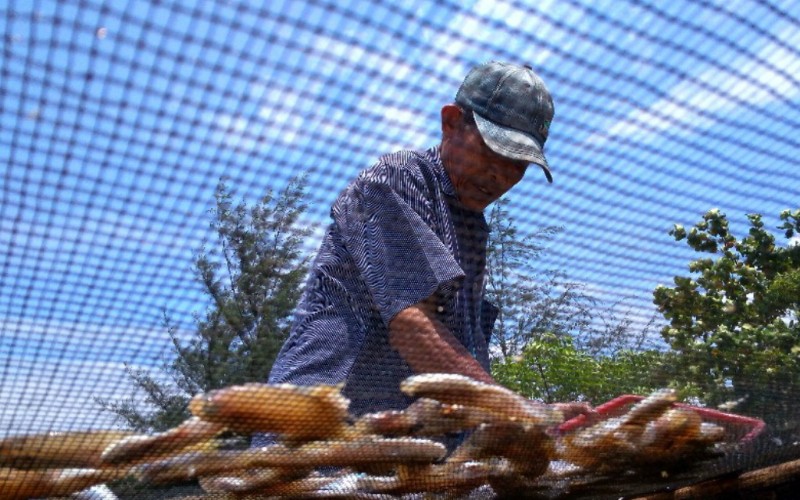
<point x="512" y="143"/>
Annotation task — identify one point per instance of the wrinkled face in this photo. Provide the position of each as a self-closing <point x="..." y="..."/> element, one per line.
<point x="480" y="176"/>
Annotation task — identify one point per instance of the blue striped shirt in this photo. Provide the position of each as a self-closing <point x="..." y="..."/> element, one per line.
<point x="399" y="235"/>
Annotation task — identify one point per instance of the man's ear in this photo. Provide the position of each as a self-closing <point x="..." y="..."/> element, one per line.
<point x="451" y="118"/>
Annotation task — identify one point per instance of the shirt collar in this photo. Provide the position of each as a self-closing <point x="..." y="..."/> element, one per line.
<point x="441" y="174"/>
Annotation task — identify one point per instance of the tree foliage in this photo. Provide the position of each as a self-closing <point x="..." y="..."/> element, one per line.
<point x="513" y="288"/>
<point x="734" y="321"/>
<point x="552" y="369"/>
<point x="552" y="340"/>
<point x="253" y="278"/>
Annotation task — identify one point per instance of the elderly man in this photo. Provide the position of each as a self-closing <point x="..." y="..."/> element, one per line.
<point x="397" y="287"/>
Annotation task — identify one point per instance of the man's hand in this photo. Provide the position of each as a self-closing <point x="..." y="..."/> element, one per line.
<point x="428" y="346"/>
<point x="575" y="408"/>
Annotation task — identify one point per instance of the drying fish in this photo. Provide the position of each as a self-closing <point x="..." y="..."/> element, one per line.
<point x="650" y="432"/>
<point x="330" y="488"/>
<point x="288" y="487"/>
<point x="193" y="431"/>
<point x="296" y="412"/>
<point x="499" y="401"/>
<point x="80" y="449"/>
<point x="23" y="484"/>
<point x="249" y="480"/>
<point x="190" y="465"/>
<point x="511" y="444"/>
<point x="678" y="433"/>
<point x="423" y="417"/>
<point x="361" y="452"/>
<point x="194" y="464"/>
<point x="528" y="448"/>
<point x="451" y="477"/>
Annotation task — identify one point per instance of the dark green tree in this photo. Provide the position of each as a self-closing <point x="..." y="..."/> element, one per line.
<point x="734" y="321"/>
<point x="253" y="278"/>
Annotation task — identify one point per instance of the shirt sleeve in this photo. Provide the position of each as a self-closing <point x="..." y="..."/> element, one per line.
<point x="399" y="256"/>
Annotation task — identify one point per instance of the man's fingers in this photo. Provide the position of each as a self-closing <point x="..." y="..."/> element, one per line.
<point x="573" y="409"/>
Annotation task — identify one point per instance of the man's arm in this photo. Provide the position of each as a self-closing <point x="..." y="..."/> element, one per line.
<point x="427" y="345"/>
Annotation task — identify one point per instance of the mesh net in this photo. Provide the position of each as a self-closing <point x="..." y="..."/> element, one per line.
<point x="133" y="279"/>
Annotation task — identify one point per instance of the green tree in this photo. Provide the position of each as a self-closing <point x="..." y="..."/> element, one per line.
<point x="529" y="302"/>
<point x="253" y="278"/>
<point x="552" y="369"/>
<point x="549" y="341"/>
<point x="734" y="322"/>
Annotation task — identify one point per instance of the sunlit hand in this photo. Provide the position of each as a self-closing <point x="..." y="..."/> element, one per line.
<point x="575" y="408"/>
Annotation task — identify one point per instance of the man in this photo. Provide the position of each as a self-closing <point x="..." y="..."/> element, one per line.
<point x="397" y="285"/>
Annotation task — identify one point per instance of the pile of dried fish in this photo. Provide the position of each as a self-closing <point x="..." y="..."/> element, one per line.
<point x="321" y="451"/>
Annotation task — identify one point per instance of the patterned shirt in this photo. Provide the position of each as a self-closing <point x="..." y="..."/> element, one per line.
<point x="399" y="235"/>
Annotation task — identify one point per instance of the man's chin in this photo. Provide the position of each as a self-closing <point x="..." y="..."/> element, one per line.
<point x="476" y="206"/>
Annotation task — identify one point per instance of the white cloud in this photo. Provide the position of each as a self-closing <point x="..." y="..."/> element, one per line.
<point x="278" y="121"/>
<point x="513" y="15"/>
<point x="109" y="230"/>
<point x="715" y="91"/>
<point x="285" y="115"/>
<point x="404" y="126"/>
<point x="760" y="74"/>
<point x="53" y="371"/>
<point x="44" y="395"/>
<point x="23" y="338"/>
<point x="476" y="27"/>
<point x="331" y="51"/>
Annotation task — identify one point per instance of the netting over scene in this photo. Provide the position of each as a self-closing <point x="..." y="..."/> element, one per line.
<point x="198" y="298"/>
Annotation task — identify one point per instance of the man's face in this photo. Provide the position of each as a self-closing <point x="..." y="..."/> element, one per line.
<point x="480" y="176"/>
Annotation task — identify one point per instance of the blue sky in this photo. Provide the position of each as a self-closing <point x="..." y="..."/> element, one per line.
<point x="119" y="118"/>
